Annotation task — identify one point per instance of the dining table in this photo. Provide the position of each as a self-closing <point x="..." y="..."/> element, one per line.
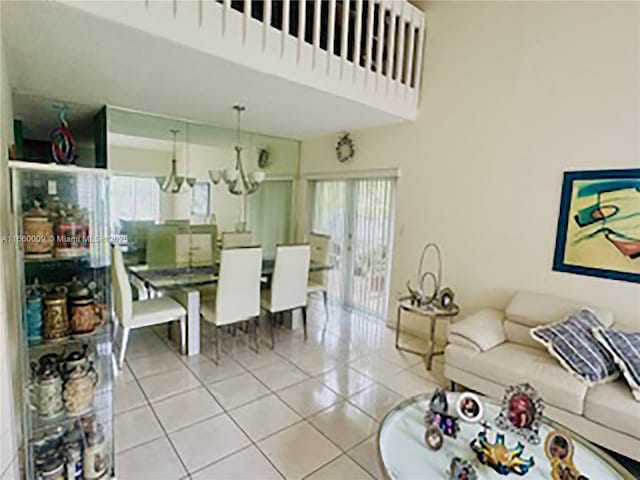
<point x="183" y="284"/>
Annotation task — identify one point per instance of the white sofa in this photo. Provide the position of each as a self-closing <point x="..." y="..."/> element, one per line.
<point x="491" y="349"/>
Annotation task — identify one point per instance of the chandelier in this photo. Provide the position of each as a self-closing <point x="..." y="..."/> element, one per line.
<point x="173" y="182"/>
<point x="239" y="181"/>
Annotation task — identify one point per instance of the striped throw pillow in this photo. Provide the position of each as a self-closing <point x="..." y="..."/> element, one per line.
<point x="573" y="344"/>
<point x="625" y="349"/>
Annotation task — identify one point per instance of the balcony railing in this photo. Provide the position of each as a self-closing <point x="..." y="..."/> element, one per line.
<point x="369" y="51"/>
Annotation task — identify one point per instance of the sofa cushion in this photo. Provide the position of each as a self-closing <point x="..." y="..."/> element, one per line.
<point x="484" y="329"/>
<point x="533" y="309"/>
<point x="511" y="363"/>
<point x="624" y="347"/>
<point x="613" y="406"/>
<point x="521" y="334"/>
<point x="574" y="345"/>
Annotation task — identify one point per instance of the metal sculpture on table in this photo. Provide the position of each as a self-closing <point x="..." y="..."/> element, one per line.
<point x="442" y="298"/>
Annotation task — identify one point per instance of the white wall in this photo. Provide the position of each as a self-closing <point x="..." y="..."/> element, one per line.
<point x="514" y="94"/>
<point x="9" y="413"/>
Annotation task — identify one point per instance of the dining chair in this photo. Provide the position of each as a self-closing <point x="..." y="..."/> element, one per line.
<point x="320" y="254"/>
<point x="161" y="246"/>
<point x="288" y="289"/>
<point x="212" y="231"/>
<point x="141" y="313"/>
<point x="237" y="296"/>
<point x="193" y="249"/>
<point x="237" y="239"/>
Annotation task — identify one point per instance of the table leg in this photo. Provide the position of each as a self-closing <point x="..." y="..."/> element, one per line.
<point x="190" y="300"/>
<point x="432" y="340"/>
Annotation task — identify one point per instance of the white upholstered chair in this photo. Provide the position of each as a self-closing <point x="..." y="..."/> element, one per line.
<point x="142" y="313"/>
<point x="319" y="281"/>
<point x="237" y="239"/>
<point x="288" y="289"/>
<point x="193" y="249"/>
<point x="237" y="296"/>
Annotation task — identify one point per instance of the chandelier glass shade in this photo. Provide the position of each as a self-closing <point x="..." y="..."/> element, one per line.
<point x="238" y="180"/>
<point x="173" y="182"/>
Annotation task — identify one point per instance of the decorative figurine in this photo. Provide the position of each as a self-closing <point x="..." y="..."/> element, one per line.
<point x="559" y="449"/>
<point x="500" y="458"/>
<point x="433" y="437"/>
<point x="521" y="412"/>
<point x="63" y="145"/>
<point x="470" y="408"/>
<point x="461" y="470"/>
<point x="438" y="415"/>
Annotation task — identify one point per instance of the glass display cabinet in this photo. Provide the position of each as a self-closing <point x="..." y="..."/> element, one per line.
<point x="62" y="250"/>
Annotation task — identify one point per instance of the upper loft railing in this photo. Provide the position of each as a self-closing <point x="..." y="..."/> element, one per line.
<point x="369" y="51"/>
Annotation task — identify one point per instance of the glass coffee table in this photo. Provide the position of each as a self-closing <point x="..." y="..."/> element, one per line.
<point x="403" y="453"/>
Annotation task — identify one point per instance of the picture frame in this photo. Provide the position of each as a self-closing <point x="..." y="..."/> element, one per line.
<point x="598" y="233"/>
<point x="470" y="408"/>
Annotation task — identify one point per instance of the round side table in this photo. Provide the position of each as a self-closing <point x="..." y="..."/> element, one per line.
<point x="434" y="313"/>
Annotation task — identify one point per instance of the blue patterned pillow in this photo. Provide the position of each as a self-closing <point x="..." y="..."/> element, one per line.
<point x="625" y="349"/>
<point x="573" y="344"/>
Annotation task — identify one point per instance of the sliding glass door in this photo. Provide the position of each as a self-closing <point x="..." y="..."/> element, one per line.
<point x="358" y="215"/>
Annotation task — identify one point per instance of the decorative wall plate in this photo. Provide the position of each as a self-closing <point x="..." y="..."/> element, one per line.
<point x="521" y="412"/>
<point x="345" y="148"/>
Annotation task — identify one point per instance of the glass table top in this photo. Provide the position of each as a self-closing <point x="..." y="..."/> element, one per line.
<point x="403" y="454"/>
<point x="177" y="277"/>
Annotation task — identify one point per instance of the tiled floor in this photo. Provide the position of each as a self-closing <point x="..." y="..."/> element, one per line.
<point x="305" y="410"/>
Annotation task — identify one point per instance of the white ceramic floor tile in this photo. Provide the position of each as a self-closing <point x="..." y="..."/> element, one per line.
<point x="346" y="381"/>
<point x="252" y="360"/>
<point x="136" y="427"/>
<point x="317" y="362"/>
<point x="376" y="367"/>
<point x="152" y="461"/>
<point x="236" y="391"/>
<point x="127" y="396"/>
<point x="164" y="385"/>
<point x="399" y="357"/>
<point x="154" y="364"/>
<point x="309" y="397"/>
<point x="124" y="375"/>
<point x="265" y="416"/>
<point x="247" y="464"/>
<point x="145" y="348"/>
<point x="206" y="442"/>
<point x="344" y="425"/>
<point x="343" y="468"/>
<point x="12" y="471"/>
<point x="366" y="456"/>
<point x="279" y="375"/>
<point x="376" y="401"/>
<point x="208" y="372"/>
<point x="186" y="409"/>
<point x="298" y="450"/>
<point x="407" y="384"/>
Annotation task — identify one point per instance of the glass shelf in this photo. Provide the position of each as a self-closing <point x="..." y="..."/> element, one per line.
<point x="63" y="202"/>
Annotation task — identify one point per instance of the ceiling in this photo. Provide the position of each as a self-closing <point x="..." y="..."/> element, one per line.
<point x="60" y="52"/>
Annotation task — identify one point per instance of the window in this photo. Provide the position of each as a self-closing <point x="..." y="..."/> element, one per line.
<point x="200" y="201"/>
<point x="134" y="198"/>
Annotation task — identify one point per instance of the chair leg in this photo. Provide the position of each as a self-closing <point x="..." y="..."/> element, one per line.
<point x="271" y="327"/>
<point x="183" y="335"/>
<point x="218" y="340"/>
<point x="169" y="330"/>
<point x="256" y="325"/>
<point x="304" y="321"/>
<point x="123" y="346"/>
<point x="325" y="294"/>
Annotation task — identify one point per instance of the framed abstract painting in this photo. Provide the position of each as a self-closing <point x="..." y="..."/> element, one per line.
<point x="599" y="225"/>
